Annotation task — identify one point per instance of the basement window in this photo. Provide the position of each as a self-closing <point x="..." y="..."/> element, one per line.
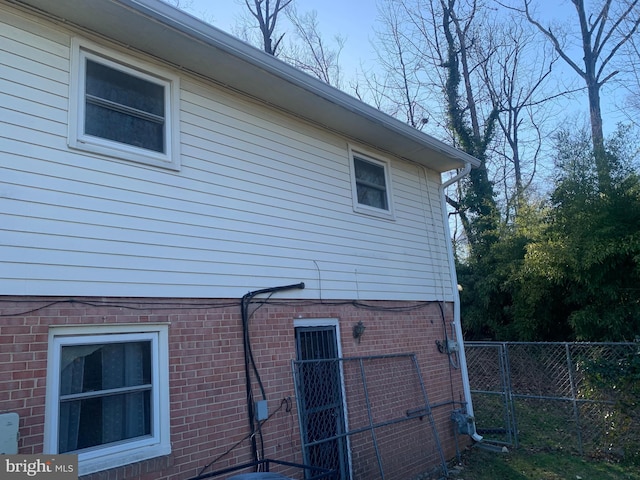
<point x="107" y="394"/>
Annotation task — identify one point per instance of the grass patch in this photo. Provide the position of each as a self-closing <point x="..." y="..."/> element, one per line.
<point x="523" y="464"/>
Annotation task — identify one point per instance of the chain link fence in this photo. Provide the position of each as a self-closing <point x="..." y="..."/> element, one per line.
<point x="578" y="397"/>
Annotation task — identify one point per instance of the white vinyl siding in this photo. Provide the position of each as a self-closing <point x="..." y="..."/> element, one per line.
<point x="261" y="199"/>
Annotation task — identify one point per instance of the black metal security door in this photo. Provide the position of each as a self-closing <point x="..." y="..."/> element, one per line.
<point x="320" y="399"/>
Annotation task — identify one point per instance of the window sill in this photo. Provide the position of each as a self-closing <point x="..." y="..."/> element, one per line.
<point x="99" y="460"/>
<point x="129" y="154"/>
<point x="374" y="212"/>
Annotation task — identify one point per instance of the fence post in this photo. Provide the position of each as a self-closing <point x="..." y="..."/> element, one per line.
<point x="574" y="398"/>
<point x="511" y="422"/>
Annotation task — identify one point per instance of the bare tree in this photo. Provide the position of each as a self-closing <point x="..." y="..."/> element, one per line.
<point x="601" y="34"/>
<point x="515" y="72"/>
<point x="404" y="90"/>
<point x="267" y="12"/>
<point x="451" y="62"/>
<point x="311" y="53"/>
<point x="632" y="85"/>
<point x="477" y="206"/>
<point x="427" y="50"/>
<point x="181" y="4"/>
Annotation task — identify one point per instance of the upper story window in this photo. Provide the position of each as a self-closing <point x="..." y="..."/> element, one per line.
<point x="371" y="185"/>
<point x="122" y="108"/>
<point x="107" y="394"/>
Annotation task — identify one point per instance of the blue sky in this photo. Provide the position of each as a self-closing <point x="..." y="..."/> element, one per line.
<point x="348" y="17"/>
<point x="352" y="19"/>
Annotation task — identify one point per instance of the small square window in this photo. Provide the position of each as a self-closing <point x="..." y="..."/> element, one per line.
<point x="107" y="400"/>
<point x="371" y="186"/>
<point x="123" y="111"/>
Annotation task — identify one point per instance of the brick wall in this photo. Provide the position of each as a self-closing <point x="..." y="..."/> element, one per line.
<point x="206" y="371"/>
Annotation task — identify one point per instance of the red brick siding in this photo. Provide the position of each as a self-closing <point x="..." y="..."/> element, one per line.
<point x="206" y="375"/>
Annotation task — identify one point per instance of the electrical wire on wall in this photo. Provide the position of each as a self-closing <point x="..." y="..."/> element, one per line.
<point x="250" y="367"/>
<point x="450" y="347"/>
<point x="447" y="347"/>
<point x="285" y="402"/>
<point x="141" y="306"/>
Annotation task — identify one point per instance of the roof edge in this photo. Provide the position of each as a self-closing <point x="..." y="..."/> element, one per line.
<point x="196" y="28"/>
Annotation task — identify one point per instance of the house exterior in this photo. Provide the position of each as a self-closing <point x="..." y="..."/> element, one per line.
<point x="209" y="258"/>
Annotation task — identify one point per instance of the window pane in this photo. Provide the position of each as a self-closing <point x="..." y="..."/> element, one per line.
<point x="370" y="184"/>
<point x="91" y="368"/>
<point x="369" y="172"/>
<point x="97" y="421"/>
<point x="372" y="197"/>
<point x="124" y="89"/>
<point x="117" y="105"/>
<point x="104" y="417"/>
<point x="120" y="127"/>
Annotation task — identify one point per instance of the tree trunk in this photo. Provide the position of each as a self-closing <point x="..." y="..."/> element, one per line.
<point x="597" y="136"/>
<point x="593" y="91"/>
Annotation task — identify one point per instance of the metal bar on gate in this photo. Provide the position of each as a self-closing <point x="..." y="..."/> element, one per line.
<point x="560" y="399"/>
<point x="368" y="357"/>
<point x="502" y="365"/>
<point x="370" y="415"/>
<point x="443" y="461"/>
<point x="513" y="424"/>
<point x="365" y="429"/>
<point x="543" y="397"/>
<point x="576" y="411"/>
<point x="589" y="344"/>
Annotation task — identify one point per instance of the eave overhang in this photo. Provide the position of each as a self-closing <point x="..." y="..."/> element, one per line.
<point x="159" y="30"/>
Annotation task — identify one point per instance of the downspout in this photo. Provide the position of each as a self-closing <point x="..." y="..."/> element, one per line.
<point x="462" y="357"/>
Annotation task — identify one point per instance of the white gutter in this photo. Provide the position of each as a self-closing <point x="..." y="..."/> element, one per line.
<point x="457" y="323"/>
<point x="242" y="50"/>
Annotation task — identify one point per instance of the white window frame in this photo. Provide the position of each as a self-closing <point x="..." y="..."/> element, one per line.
<point x="128" y="451"/>
<point x="81" y="50"/>
<point x="386" y="165"/>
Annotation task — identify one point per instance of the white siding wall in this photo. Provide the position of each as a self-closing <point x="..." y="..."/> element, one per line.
<point x="261" y="200"/>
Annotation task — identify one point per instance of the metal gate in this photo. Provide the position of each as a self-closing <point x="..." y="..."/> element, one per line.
<point x="389" y="429"/>
<point x="491" y="392"/>
<point x="578" y="397"/>
<point x="321" y="398"/>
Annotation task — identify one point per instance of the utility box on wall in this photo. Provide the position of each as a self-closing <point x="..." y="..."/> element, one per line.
<point x="9" y="433"/>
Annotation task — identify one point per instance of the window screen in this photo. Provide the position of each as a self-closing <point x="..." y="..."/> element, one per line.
<point x="371" y="184"/>
<point x="124" y="108"/>
<point x="105" y="394"/>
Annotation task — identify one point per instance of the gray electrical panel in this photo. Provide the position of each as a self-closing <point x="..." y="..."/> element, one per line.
<point x="9" y="433"/>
